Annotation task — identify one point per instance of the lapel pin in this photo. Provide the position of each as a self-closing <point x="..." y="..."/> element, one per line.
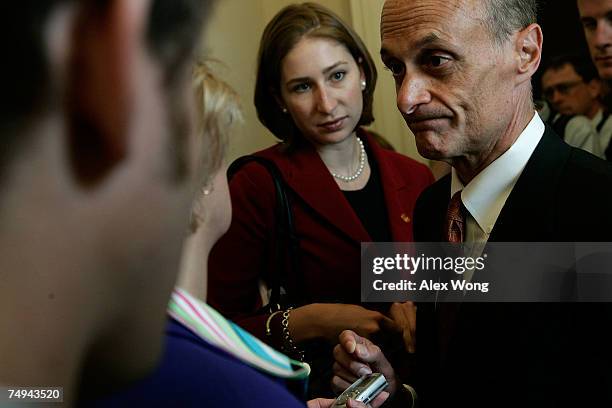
<point x="405" y="218"/>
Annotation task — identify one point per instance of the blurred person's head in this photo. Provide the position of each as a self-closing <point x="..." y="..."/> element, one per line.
<point x="463" y="72"/>
<point x="315" y="77"/>
<point x="97" y="170"/>
<point x="218" y="110"/>
<point x="596" y="17"/>
<point x="571" y="85"/>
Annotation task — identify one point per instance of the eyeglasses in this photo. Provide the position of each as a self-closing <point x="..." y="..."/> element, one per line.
<point x="563" y="88"/>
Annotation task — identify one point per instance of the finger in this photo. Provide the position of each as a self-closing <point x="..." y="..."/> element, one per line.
<point x="389" y="324"/>
<point x="409" y="342"/>
<point x="363" y="350"/>
<point x="351" y="403"/>
<point x="349" y="339"/>
<point x="320" y="403"/>
<point x="410" y="311"/>
<point x="350" y="362"/>
<point x="367" y="352"/>
<point x="396" y="312"/>
<point x="404" y="315"/>
<point x="339" y="384"/>
<point x="380" y="399"/>
<point x="345" y="374"/>
<point x="373" y="356"/>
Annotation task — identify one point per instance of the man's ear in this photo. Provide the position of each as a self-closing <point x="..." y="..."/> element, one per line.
<point x="594" y="86"/>
<point x="528" y="47"/>
<point x="105" y="42"/>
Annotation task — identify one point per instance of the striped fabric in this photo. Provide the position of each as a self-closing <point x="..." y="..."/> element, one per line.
<point x="207" y="323"/>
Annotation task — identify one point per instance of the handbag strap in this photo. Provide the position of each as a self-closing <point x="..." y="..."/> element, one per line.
<point x="287" y="243"/>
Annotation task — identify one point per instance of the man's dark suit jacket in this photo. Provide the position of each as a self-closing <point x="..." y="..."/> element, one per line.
<point x="523" y="354"/>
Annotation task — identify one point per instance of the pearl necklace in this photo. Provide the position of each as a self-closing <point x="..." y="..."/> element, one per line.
<point x="362" y="160"/>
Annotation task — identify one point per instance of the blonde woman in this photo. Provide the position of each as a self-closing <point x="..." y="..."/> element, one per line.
<point x="208" y="361"/>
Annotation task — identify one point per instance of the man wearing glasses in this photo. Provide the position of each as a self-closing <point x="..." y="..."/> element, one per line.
<point x="572" y="88"/>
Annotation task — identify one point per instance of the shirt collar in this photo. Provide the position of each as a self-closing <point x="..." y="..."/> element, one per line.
<point x="597" y="118"/>
<point x="486" y="194"/>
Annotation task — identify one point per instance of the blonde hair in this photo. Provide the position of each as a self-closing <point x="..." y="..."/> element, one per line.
<point x="218" y="109"/>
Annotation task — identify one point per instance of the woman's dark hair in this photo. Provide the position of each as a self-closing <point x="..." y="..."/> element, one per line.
<point x="282" y="33"/>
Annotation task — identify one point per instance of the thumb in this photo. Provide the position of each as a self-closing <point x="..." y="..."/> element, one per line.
<point x="320" y="403"/>
<point x="351" y="403"/>
<point x="367" y="351"/>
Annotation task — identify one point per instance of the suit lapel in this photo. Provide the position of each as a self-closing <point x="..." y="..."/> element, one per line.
<point x="308" y="177"/>
<point x="394" y="187"/>
<point x="528" y="214"/>
<point x="430" y="211"/>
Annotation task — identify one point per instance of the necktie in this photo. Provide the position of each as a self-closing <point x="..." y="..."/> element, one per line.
<point x="454" y="227"/>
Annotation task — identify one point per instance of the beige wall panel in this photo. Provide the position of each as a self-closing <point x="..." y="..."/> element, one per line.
<point x="389" y="122"/>
<point x="232" y="37"/>
<point x="340" y="7"/>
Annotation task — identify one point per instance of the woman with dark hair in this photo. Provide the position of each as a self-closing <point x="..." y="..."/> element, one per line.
<point x="314" y="90"/>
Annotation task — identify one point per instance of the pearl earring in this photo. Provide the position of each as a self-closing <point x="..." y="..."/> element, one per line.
<point x="207" y="188"/>
<point x="363" y="84"/>
<point x="284" y="110"/>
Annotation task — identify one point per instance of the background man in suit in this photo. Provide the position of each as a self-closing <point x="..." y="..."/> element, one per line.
<point x="97" y="168"/>
<point x="597" y="23"/>
<point x="571" y="84"/>
<point x="463" y="74"/>
<point x="572" y="87"/>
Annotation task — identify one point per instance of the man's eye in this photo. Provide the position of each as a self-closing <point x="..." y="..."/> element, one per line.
<point x="395" y="67"/>
<point x="338" y="76"/>
<point x="589" y="24"/>
<point x="437" y="61"/>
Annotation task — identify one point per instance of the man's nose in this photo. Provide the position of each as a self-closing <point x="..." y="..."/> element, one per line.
<point x="326" y="102"/>
<point x="603" y="35"/>
<point x="555" y="96"/>
<point x="412" y="92"/>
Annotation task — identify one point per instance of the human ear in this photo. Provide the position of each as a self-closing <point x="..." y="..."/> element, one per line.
<point x="279" y="100"/>
<point x="594" y="86"/>
<point x="104" y="42"/>
<point x="528" y="48"/>
<point x="362" y="75"/>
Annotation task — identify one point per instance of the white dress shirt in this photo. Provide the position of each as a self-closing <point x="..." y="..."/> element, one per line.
<point x="485" y="195"/>
<point x="605" y="135"/>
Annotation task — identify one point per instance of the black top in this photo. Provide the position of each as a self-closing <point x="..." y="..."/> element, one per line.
<point x="369" y="203"/>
